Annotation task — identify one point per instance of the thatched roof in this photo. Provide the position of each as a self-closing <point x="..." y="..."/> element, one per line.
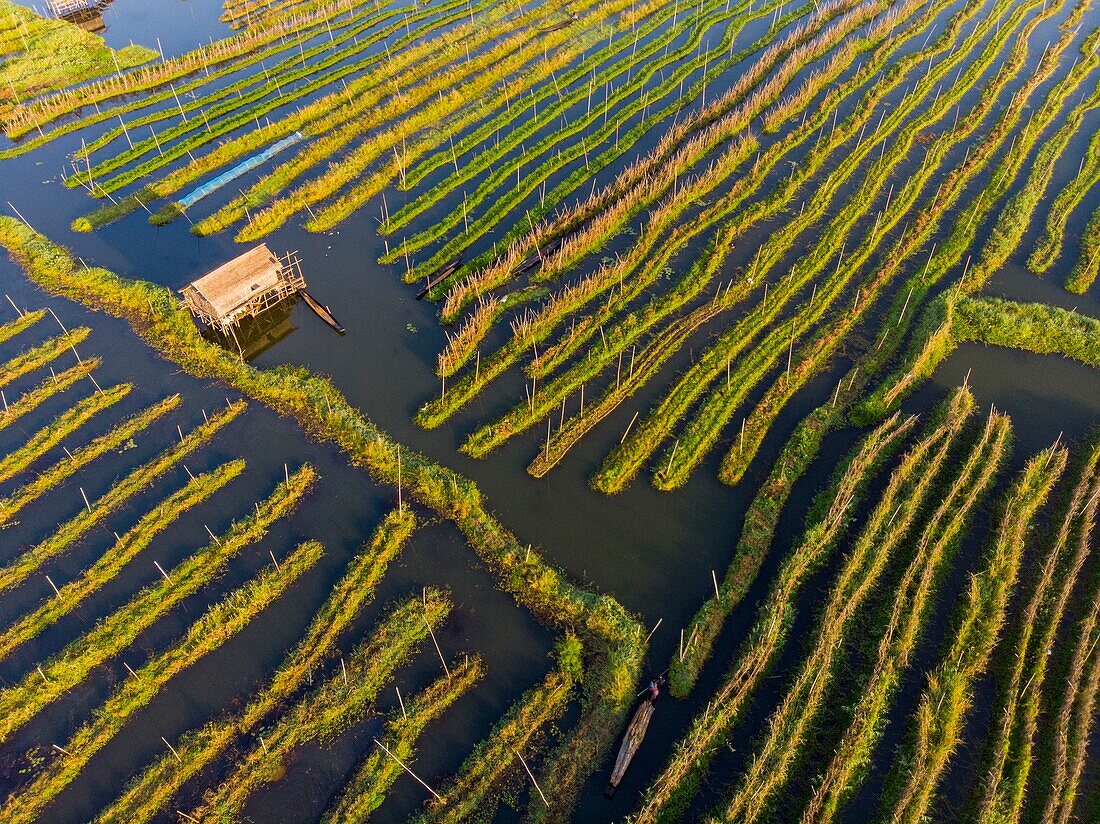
<point x="233" y="284"/>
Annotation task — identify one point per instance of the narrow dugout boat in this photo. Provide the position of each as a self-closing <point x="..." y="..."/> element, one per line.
<point x="633" y="737"/>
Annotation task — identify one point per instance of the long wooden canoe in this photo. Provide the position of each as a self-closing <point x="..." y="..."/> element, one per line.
<point x="632" y="740"/>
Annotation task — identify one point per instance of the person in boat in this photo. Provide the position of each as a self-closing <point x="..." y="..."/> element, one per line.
<point x="654" y="691"/>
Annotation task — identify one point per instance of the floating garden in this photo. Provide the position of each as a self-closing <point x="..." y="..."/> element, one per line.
<point x="730" y="253"/>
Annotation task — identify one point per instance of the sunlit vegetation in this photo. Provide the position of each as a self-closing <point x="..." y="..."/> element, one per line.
<point x="57" y="473"/>
<point x="717" y="234"/>
<point x="41" y="355"/>
<point x="218" y="58"/>
<point x="1034" y="631"/>
<point x="40" y="54"/>
<point x="1085" y="270"/>
<point x="338" y="703"/>
<point x="24" y="322"/>
<point x="888" y="524"/>
<point x="220" y="623"/>
<point x="58" y="429"/>
<point x="152" y="791"/>
<point x="110" y="563"/>
<point x="1049" y="247"/>
<point x="614" y="348"/>
<point x="613" y="640"/>
<point x="941" y="714"/>
<point x="366" y="790"/>
<point x="115" y="632"/>
<point x="29" y="401"/>
<point x="1013" y="218"/>
<point x="19" y="568"/>
<point x="757" y="533"/>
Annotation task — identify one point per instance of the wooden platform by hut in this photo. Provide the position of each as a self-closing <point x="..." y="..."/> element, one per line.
<point x="243" y="288"/>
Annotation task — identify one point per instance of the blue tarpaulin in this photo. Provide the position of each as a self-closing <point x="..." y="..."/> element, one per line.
<point x="238" y="170"/>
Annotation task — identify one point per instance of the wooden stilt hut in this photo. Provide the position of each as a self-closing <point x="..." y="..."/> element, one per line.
<point x="243" y="288"/>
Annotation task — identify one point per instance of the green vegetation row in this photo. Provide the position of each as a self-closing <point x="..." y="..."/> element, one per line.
<point x="758" y="533"/>
<point x="318" y="73"/>
<point x="17" y="570"/>
<point x="365" y="791"/>
<point x="343" y="700"/>
<point x="315" y="118"/>
<point x="114" y="633"/>
<point x="173" y="94"/>
<point x="21" y="324"/>
<point x="572" y="298"/>
<point x="127" y="547"/>
<point x="909" y="612"/>
<point x="803" y="444"/>
<point x="216" y="626"/>
<point x="614" y="640"/>
<point x="53" y="476"/>
<point x="1012" y="220"/>
<point x="41" y="355"/>
<point x="598" y="67"/>
<point x="629" y="99"/>
<point x="1069" y="723"/>
<point x="940" y="717"/>
<point x="43" y="54"/>
<point x="475" y="791"/>
<point x="797" y="453"/>
<point x="151" y="791"/>
<point x="889" y="522"/>
<point x="793" y="721"/>
<point x="1046" y="251"/>
<point x="703" y="429"/>
<point x="920" y="229"/>
<point x="60" y="428"/>
<point x="1084" y="271"/>
<point x="464" y="81"/>
<point x="1009" y="749"/>
<point x="53" y="385"/>
<point x="238" y="51"/>
<point x="604" y="213"/>
<point x="286" y="72"/>
<point x="640" y="260"/>
<point x="664" y="345"/>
